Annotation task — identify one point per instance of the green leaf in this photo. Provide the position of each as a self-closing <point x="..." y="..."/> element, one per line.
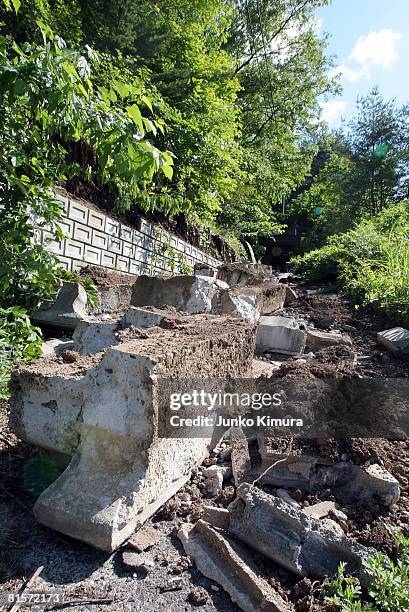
<point x="135" y="114"/>
<point x="16" y="4"/>
<point x="121" y="88"/>
<point x="167" y="171"/>
<point x="148" y="103"/>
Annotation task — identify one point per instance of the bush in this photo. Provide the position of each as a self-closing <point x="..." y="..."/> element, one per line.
<point x="19" y="341"/>
<point x="370" y="262"/>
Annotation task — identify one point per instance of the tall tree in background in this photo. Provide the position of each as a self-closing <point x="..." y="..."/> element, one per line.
<point x="379" y="145"/>
<point x="282" y="68"/>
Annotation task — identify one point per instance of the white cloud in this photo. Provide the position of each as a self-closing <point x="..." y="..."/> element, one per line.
<point x="377" y="48"/>
<point x="332" y="110"/>
<point x="350" y="74"/>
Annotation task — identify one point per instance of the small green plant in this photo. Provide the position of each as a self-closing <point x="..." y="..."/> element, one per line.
<point x="91" y="291"/>
<point x="388" y="588"/>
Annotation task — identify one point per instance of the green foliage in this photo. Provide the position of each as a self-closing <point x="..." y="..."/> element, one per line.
<point x="358" y="172"/>
<point x="49" y="101"/>
<point x="371" y="262"/>
<point x="19" y="341"/>
<point x="91" y="291"/>
<point x="388" y="589"/>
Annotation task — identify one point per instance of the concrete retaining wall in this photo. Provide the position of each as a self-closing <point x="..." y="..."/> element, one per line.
<point x="94" y="238"/>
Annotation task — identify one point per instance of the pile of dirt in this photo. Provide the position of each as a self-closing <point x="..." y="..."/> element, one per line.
<point x="105" y="278"/>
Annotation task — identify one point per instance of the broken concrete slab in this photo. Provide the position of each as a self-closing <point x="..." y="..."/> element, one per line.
<point x="142" y="317"/>
<point x="55" y="346"/>
<point x="92" y="337"/>
<point x="348" y="483"/>
<point x="280" y="335"/>
<point x="138" y="562"/>
<point x="238" y="273"/>
<point x="228" y="564"/>
<point x="317" y="340"/>
<point x="320" y="510"/>
<point x="395" y="339"/>
<point x="213" y="480"/>
<point x="354" y="484"/>
<point x="103" y="410"/>
<point x="283" y="494"/>
<point x="239" y="305"/>
<point x="217" y="517"/>
<point x="193" y="294"/>
<point x="146" y="537"/>
<point x="114" y="289"/>
<point x="201" y="269"/>
<point x="286" y="535"/>
<point x="67" y="310"/>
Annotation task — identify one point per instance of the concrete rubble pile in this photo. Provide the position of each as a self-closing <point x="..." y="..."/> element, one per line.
<point x="94" y="399"/>
<point x="307" y="541"/>
<point x="102" y="411"/>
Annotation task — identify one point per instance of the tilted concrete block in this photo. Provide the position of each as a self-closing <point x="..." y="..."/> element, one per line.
<point x="289" y="537"/>
<point x="280" y="335"/>
<point x="193" y="294"/>
<point x="227" y="563"/>
<point x="349" y="483"/>
<point x="106" y="406"/>
<point x="237" y="305"/>
<point x="317" y="340"/>
<point x="68" y="309"/>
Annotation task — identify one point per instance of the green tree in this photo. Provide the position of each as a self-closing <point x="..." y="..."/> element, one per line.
<point x="379" y="143"/>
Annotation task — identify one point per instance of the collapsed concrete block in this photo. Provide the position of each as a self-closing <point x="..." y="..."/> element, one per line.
<point x="348" y="483"/>
<point x="144" y="538"/>
<point x="68" y="309"/>
<point x="201" y="269"/>
<point x="193" y="294"/>
<point x="317" y="340"/>
<point x="320" y="510"/>
<point x="55" y="346"/>
<point x="103" y="410"/>
<point x="239" y="305"/>
<point x="138" y="562"/>
<point x="286" y="535"/>
<point x="395" y="339"/>
<point x="280" y="335"/>
<point x="225" y="562"/>
<point x="353" y="484"/>
<point x="214" y="480"/>
<point x="93" y="337"/>
<point x="238" y="273"/>
<point x="294" y="471"/>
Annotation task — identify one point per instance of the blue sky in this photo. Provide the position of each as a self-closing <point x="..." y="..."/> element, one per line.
<point x="371" y="41"/>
